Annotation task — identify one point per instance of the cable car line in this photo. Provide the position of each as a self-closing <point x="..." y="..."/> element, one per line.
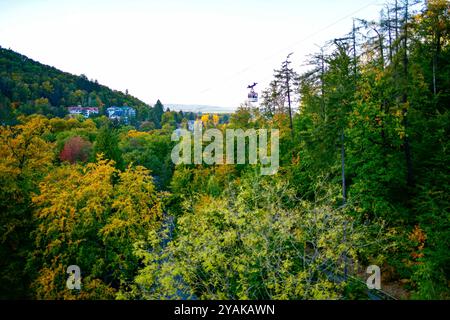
<point x="252" y="66"/>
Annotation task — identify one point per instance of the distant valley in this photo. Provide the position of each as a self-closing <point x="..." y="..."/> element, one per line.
<point x="199" y="108"/>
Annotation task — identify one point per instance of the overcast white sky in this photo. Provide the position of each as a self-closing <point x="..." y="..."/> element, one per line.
<point x="179" y="51"/>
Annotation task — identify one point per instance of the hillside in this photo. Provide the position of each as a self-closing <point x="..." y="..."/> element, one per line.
<point x="28" y="87"/>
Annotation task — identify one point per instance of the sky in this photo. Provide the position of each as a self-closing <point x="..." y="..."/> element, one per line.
<point x="203" y="52"/>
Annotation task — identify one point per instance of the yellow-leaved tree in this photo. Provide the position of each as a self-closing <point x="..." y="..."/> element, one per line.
<point x="216" y="120"/>
<point x="25" y="157"/>
<point x="256" y="241"/>
<point x="90" y="217"/>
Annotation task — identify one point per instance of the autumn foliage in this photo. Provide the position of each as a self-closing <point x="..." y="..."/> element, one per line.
<point x="140" y="227"/>
<point x="75" y="150"/>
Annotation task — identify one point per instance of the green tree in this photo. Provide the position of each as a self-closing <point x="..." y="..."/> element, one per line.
<point x="158" y="111"/>
<point x="107" y="143"/>
<point x="251" y="243"/>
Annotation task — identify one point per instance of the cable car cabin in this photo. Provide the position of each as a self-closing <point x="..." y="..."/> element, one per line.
<point x="253" y="97"/>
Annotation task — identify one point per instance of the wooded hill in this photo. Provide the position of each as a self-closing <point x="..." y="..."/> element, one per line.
<point x="29" y="87"/>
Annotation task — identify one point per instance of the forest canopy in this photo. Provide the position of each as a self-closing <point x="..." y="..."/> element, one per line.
<point x="363" y="180"/>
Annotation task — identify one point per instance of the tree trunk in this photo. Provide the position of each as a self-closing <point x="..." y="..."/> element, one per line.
<point x="407" y="145"/>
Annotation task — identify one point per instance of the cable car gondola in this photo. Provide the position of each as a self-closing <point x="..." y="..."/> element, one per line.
<point x="252" y="95"/>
